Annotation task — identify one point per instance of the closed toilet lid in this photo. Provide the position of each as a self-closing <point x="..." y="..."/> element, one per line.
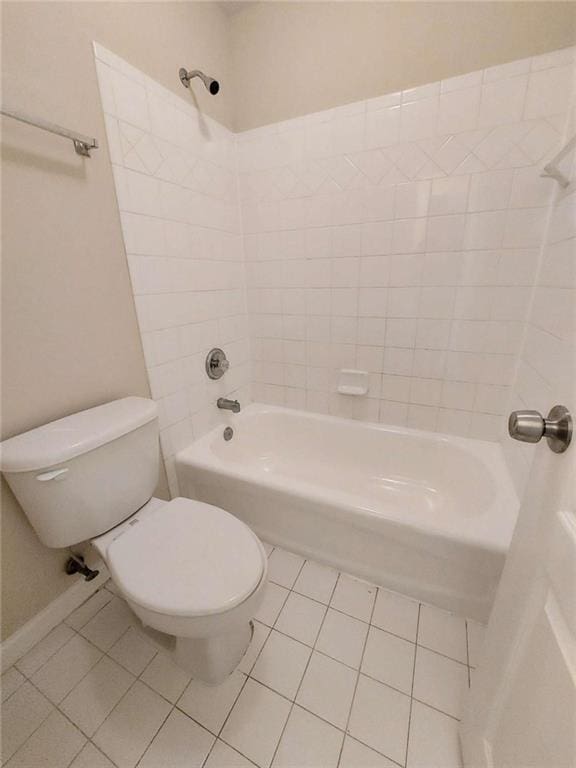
<point x="187" y="558"/>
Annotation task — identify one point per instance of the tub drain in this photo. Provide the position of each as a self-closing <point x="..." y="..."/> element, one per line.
<point x="228" y="433"/>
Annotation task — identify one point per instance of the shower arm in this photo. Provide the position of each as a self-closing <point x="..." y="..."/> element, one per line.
<point x="211" y="85"/>
<point x="186" y="76"/>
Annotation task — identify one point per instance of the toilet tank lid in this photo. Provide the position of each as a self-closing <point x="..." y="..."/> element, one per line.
<point x="74" y="435"/>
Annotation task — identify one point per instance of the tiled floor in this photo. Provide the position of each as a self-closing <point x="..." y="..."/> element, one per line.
<point x="339" y="673"/>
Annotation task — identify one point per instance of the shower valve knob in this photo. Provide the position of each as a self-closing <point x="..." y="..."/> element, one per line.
<point x="216" y="363"/>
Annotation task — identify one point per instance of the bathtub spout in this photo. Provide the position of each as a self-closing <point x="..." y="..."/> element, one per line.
<point x="228" y="405"/>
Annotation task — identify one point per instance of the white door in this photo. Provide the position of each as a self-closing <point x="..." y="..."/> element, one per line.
<point x="522" y="706"/>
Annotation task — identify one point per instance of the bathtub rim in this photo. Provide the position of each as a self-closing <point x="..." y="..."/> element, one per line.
<point x="199" y="454"/>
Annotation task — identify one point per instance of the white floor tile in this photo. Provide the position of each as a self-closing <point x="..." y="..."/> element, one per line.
<point x="91" y="757"/>
<point x="132" y="723"/>
<point x="354" y="597"/>
<point x="308" y="742"/>
<point x="126" y="733"/>
<point x="11" y="681"/>
<point x="342" y="637"/>
<point x="396" y="614"/>
<point x="301" y="618"/>
<point x="256" y="722"/>
<point x="316" y="581"/>
<point x="274" y="598"/>
<point x="211" y="704"/>
<point x="380" y="717"/>
<point x="476" y="633"/>
<point x="440" y="682"/>
<point x="284" y="567"/>
<point x="281" y="664"/>
<point x="66" y="668"/>
<point x="223" y="756"/>
<point x="44" y="650"/>
<point x="82" y="615"/>
<point x="133" y="651"/>
<point x="53" y="745"/>
<point x="166" y="677"/>
<point x="96" y="695"/>
<point x="443" y="632"/>
<point x="327" y="689"/>
<point x="433" y="739"/>
<point x="21" y="715"/>
<point x="356" y="755"/>
<point x="180" y="743"/>
<point x="109" y="624"/>
<point x="389" y="659"/>
<point x="261" y="632"/>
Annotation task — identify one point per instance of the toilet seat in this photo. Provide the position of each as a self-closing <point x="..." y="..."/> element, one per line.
<point x="187" y="558"/>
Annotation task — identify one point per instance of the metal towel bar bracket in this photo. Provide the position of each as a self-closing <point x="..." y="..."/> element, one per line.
<point x="82" y="144"/>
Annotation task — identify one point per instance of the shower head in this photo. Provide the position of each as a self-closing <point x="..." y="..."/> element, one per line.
<point x="212" y="86"/>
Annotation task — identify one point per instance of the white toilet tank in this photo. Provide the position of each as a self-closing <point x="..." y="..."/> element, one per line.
<point x="81" y="475"/>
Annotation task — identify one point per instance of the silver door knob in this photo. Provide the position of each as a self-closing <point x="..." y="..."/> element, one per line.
<point x="531" y="427"/>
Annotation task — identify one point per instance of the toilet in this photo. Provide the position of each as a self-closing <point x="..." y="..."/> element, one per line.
<point x="190" y="571"/>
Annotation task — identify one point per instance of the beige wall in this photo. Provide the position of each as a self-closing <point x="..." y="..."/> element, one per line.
<point x="70" y="338"/>
<point x="289" y="59"/>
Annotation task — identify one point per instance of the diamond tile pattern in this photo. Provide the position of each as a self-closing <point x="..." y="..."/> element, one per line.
<point x="241" y="241"/>
<point x="421" y="335"/>
<point x="351" y="691"/>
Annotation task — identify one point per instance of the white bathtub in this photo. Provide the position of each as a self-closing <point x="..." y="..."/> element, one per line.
<point x="425" y="514"/>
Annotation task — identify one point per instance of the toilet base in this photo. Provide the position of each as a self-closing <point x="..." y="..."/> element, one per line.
<point x="213" y="659"/>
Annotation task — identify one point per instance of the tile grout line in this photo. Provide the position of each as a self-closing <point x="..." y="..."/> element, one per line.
<point x="77" y="753"/>
<point x="380" y="629"/>
<point x="156" y="732"/>
<point x="56" y="708"/>
<point x="53" y="708"/>
<point x="120" y="664"/>
<point x="369" y="625"/>
<point x="293" y="703"/>
<point x="51" y="656"/>
<point x="347" y="725"/>
<point x="77" y="683"/>
<point x="217" y="736"/>
<point x="98" y="749"/>
<point x="412" y="686"/>
<point x="227" y="717"/>
<point x="248" y="675"/>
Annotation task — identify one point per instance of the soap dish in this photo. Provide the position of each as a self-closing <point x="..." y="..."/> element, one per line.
<point x="353" y="382"/>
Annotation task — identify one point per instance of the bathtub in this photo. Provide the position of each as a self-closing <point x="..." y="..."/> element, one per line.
<point x="424" y="514"/>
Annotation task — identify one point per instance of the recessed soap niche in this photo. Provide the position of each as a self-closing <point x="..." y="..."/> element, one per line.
<point x="353" y="382"/>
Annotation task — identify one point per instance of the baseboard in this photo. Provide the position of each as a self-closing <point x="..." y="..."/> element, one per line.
<point x="38" y="627"/>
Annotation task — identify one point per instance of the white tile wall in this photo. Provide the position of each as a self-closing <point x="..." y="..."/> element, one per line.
<point x="546" y="369"/>
<point x="400" y="235"/>
<point x="176" y="183"/>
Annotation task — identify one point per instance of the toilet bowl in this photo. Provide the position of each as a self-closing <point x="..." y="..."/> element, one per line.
<point x="194" y="572"/>
<point x="190" y="571"/>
